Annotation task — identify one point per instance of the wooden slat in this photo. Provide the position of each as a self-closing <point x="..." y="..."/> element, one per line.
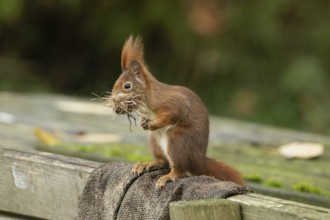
<point x="259" y="207"/>
<point x="48" y="186"/>
<point x="205" y="209"/>
<point x="41" y="184"/>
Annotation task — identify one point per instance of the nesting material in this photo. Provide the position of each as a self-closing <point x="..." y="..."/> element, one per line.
<point x="124" y="104"/>
<point x="302" y="150"/>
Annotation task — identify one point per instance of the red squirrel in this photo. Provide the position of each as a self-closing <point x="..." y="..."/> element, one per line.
<point x="176" y="118"/>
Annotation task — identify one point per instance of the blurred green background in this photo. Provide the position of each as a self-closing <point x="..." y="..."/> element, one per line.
<point x="263" y="60"/>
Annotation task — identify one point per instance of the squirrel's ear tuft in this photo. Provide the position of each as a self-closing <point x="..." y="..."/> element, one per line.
<point x="132" y="51"/>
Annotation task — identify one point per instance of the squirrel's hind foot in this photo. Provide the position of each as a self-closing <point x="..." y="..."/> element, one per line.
<point x="172" y="176"/>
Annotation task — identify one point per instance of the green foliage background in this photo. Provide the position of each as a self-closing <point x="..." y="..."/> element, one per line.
<point x="262" y="60"/>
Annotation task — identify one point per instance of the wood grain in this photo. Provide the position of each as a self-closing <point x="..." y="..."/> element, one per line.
<point x="259" y="207"/>
<point x="41" y="184"/>
<point x="205" y="209"/>
<point x="48" y="186"/>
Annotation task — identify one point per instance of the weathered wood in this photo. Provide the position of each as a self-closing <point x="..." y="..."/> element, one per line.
<point x="249" y="147"/>
<point x="259" y="207"/>
<point x="225" y="130"/>
<point x="41" y="185"/>
<point x="48" y="186"/>
<point x="213" y="209"/>
<point x="307" y="198"/>
<point x="268" y="164"/>
<point x="69" y="113"/>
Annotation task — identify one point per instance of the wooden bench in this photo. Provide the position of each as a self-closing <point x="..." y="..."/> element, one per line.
<point x="45" y="185"/>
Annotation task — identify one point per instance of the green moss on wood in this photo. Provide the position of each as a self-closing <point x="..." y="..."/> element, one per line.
<point x="308" y="188"/>
<point x="273" y="183"/>
<point x="256" y="178"/>
<point x="127" y="152"/>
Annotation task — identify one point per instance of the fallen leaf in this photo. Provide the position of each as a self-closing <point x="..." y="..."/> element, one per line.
<point x="45" y="137"/>
<point x="302" y="150"/>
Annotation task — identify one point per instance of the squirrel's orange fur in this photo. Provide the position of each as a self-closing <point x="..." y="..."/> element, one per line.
<point x="176" y="118"/>
<point x="132" y="50"/>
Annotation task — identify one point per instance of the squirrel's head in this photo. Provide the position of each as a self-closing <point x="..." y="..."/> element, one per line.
<point x="135" y="76"/>
<point x="132" y="86"/>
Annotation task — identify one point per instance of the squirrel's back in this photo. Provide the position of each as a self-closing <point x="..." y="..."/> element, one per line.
<point x="176" y="117"/>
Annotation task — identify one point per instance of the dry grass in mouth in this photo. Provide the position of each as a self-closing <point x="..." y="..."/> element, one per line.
<point x="123" y="104"/>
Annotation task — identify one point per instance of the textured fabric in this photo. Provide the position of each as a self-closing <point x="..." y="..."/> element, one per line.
<point x="112" y="192"/>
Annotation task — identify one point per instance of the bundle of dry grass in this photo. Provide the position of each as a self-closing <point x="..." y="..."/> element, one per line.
<point x="124" y="104"/>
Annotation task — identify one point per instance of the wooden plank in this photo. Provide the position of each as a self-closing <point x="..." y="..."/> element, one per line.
<point x="41" y="185"/>
<point x="211" y="209"/>
<point x="48" y="186"/>
<point x="307" y="198"/>
<point x="48" y="111"/>
<point x="259" y="207"/>
<point x="267" y="163"/>
<point x="226" y="130"/>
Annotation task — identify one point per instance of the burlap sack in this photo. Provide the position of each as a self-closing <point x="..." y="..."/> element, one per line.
<point x="113" y="192"/>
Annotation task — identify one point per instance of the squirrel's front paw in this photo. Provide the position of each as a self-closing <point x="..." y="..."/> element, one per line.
<point x="138" y="168"/>
<point x="144" y="122"/>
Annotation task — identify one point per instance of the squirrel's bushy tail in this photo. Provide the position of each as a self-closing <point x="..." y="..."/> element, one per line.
<point x="222" y="171"/>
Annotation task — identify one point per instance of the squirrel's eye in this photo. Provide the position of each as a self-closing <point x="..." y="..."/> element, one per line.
<point x="127" y="85"/>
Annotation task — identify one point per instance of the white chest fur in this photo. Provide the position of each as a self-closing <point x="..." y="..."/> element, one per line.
<point x="161" y="133"/>
<point x="163" y="140"/>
